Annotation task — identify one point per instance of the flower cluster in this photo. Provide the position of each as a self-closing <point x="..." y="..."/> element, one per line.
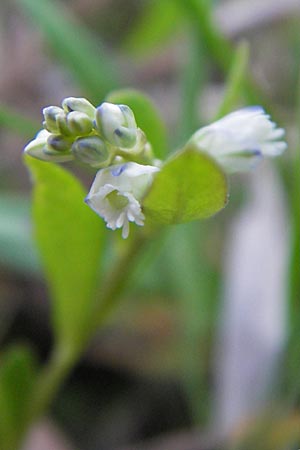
<point x="108" y="138"/>
<point x="94" y="136"/>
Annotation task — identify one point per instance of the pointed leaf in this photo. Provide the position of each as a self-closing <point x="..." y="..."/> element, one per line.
<point x="190" y="186"/>
<point x="69" y="237"/>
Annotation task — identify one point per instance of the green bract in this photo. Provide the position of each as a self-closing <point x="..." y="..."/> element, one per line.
<point x="189" y="186"/>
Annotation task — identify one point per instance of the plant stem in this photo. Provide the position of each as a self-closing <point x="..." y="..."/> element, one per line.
<point x="221" y="50"/>
<point x="17" y="122"/>
<point x="50" y="379"/>
<point x="118" y="279"/>
<point x="194" y="74"/>
<point x="235" y="80"/>
<point x="64" y="358"/>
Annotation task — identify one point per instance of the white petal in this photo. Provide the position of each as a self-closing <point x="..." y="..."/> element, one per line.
<point x="238" y="140"/>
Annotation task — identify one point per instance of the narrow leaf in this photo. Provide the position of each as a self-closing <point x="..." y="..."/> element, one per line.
<point x="159" y="21"/>
<point x="147" y="116"/>
<point x="69" y="237"/>
<point x="235" y="83"/>
<point x="190" y="186"/>
<point x="74" y="45"/>
<point x="16" y="122"/>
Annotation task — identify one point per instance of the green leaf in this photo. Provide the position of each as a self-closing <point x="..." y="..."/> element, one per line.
<point x="159" y="22"/>
<point x="74" y="45"/>
<point x="70" y="239"/>
<point x="189" y="186"/>
<point x="147" y="116"/>
<point x="17" y="375"/>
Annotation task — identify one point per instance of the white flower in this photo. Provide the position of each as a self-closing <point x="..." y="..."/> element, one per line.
<point x="240" y="139"/>
<point x="116" y="193"/>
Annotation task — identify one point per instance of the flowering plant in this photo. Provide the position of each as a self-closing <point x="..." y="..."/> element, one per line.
<point x="107" y="138"/>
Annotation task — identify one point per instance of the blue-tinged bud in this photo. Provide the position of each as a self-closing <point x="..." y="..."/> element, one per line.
<point x="79" y="123"/>
<point x="70" y="104"/>
<point x="116" y="124"/>
<point x="50" y="115"/>
<point x="91" y="150"/>
<point x="38" y="148"/>
<point x="62" y="124"/>
<point x="59" y="143"/>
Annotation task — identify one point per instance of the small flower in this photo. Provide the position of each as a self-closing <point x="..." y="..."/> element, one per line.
<point x="240" y="139"/>
<point x="116" y="193"/>
<point x="45" y="147"/>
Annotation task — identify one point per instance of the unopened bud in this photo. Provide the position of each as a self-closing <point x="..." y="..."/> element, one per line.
<point x="79" y="123"/>
<point x="62" y="124"/>
<point x="70" y="104"/>
<point x="91" y="150"/>
<point x="59" y="143"/>
<point x="116" y="124"/>
<point x="50" y="114"/>
<point x="38" y="148"/>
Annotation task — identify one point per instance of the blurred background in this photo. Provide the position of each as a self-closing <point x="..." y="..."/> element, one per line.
<point x="203" y="353"/>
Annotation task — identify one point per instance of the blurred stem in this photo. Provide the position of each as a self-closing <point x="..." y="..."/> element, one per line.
<point x="193" y="282"/>
<point x="235" y="80"/>
<point x="51" y="378"/>
<point x="64" y="358"/>
<point x="193" y="77"/>
<point x="216" y="45"/>
<point x="293" y="371"/>
<point x="295" y="217"/>
<point x="16" y="122"/>
<point x="118" y="279"/>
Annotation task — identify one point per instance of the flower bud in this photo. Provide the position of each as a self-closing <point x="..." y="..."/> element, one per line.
<point x="116" y="124"/>
<point x="58" y="143"/>
<point x="91" y="150"/>
<point x="62" y="124"/>
<point x="79" y="123"/>
<point x="38" y="148"/>
<point x="70" y="104"/>
<point x="50" y="115"/>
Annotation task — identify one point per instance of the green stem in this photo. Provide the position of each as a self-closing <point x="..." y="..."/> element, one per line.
<point x="63" y="359"/>
<point x="193" y="77"/>
<point x="295" y="217"/>
<point x="118" y="279"/>
<point x="235" y="80"/>
<point x="221" y="50"/>
<point x="16" y="122"/>
<point x="50" y="379"/>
